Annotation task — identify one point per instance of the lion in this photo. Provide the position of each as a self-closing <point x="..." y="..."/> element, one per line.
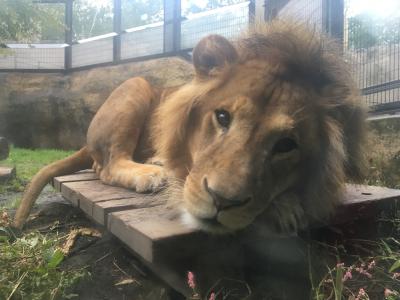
<point x="270" y="128"/>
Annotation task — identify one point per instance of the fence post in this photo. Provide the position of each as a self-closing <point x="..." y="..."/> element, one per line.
<point x="172" y="26"/>
<point x="117" y="28"/>
<point x="272" y="8"/>
<point x="252" y="11"/>
<point x="68" y="34"/>
<point x="333" y="18"/>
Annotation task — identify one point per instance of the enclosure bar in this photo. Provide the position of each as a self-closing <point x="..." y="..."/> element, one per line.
<point x="122" y="61"/>
<point x="272" y="8"/>
<point x="117" y="27"/>
<point x="333" y="18"/>
<point x="68" y="34"/>
<point x="252" y="11"/>
<point x="383" y="87"/>
<point x="172" y="26"/>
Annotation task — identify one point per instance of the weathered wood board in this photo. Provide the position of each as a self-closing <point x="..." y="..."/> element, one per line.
<point x="363" y="202"/>
<point x="7" y="173"/>
<point x="85" y="175"/>
<point x="365" y="194"/>
<point x="154" y="232"/>
<point x="146" y="224"/>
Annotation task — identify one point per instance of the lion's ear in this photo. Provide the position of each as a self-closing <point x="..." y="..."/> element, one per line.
<point x="213" y="54"/>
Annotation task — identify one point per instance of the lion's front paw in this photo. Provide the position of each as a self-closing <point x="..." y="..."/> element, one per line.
<point x="151" y="178"/>
<point x="139" y="177"/>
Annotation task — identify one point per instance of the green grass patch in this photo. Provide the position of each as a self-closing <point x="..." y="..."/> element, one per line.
<point x="383" y="154"/>
<point x="31" y="264"/>
<point x="31" y="268"/>
<point x="28" y="163"/>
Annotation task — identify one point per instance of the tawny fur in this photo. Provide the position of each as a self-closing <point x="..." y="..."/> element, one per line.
<point x="279" y="83"/>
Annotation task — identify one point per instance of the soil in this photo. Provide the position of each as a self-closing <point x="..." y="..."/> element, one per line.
<point x="115" y="274"/>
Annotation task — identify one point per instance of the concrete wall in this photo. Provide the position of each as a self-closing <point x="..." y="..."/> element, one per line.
<point x="54" y="110"/>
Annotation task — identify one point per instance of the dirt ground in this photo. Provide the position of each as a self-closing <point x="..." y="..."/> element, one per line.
<point x="115" y="274"/>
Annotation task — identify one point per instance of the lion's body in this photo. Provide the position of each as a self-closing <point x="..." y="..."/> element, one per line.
<point x="270" y="128"/>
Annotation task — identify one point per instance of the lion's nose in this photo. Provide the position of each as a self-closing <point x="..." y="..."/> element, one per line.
<point x="222" y="203"/>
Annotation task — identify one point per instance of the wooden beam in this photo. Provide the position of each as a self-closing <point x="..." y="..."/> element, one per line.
<point x="150" y="228"/>
<point x="85" y="175"/>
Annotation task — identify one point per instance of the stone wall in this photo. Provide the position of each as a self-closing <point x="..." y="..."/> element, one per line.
<point x="54" y="110"/>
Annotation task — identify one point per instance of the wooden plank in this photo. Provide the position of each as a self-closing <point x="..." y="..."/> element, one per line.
<point x="98" y="200"/>
<point x="7" y="173"/>
<point x="141" y="229"/>
<point x="101" y="209"/>
<point x="357" y="194"/>
<point x="85" y="175"/>
<point x="89" y="192"/>
<point x="362" y="202"/>
<point x="148" y="226"/>
<point x="155" y="233"/>
<point x="70" y="194"/>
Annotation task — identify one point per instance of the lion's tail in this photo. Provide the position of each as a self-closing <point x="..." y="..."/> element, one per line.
<point x="78" y="161"/>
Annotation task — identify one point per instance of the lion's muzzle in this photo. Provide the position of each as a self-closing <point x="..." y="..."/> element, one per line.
<point x="220" y="201"/>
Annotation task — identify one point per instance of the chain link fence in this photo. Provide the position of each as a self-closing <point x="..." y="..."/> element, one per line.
<point x="173" y="26"/>
<point x="372" y="46"/>
<point x="371" y="39"/>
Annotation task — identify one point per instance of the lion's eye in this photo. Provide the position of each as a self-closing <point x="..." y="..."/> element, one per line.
<point x="223" y="117"/>
<point x="284" y="145"/>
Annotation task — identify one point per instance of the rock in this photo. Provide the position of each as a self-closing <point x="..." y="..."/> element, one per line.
<point x="4" y="148"/>
<point x="39" y="110"/>
<point x="6" y="174"/>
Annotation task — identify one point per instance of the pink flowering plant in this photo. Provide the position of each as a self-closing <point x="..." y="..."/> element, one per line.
<point x="191" y="282"/>
<point x="372" y="277"/>
<point x="224" y="288"/>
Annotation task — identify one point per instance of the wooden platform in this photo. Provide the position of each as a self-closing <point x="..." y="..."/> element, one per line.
<point x="7" y="173"/>
<point x="153" y="231"/>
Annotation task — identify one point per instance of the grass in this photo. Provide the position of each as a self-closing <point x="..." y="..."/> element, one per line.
<point x="383" y="154"/>
<point x="363" y="277"/>
<point x="27" y="163"/>
<point x="31" y="264"/>
<point x="30" y="269"/>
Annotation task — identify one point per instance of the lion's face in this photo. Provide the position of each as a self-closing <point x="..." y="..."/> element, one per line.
<point x="248" y="149"/>
<point x="262" y="137"/>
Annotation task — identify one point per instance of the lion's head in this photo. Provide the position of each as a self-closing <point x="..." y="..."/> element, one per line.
<point x="269" y="128"/>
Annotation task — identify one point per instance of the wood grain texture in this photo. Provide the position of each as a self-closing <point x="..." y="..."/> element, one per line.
<point x="84" y="175"/>
<point x="356" y="194"/>
<point x="144" y="229"/>
<point x="7" y="173"/>
<point x="151" y="229"/>
<point x="101" y="209"/>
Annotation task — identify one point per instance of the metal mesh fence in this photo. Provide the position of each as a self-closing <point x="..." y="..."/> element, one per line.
<point x="142" y="41"/>
<point x="30" y="56"/>
<point x="305" y="11"/>
<point x="92" y="52"/>
<point x="142" y="32"/>
<point x="372" y="45"/>
<point x="227" y="21"/>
